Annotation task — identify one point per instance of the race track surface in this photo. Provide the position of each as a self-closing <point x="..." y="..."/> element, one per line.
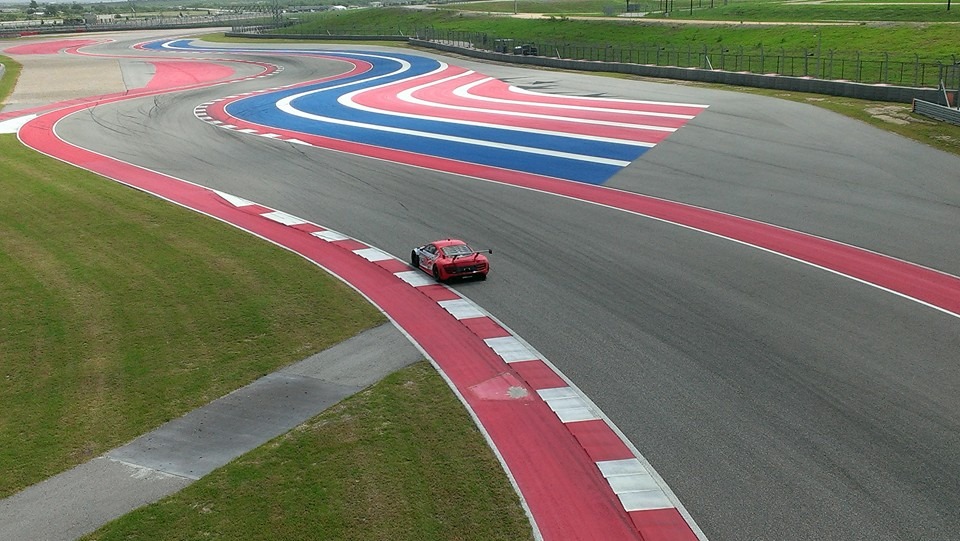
<point x="777" y="399"/>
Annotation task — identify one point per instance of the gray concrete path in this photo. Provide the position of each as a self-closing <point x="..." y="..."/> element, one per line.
<point x="171" y="457"/>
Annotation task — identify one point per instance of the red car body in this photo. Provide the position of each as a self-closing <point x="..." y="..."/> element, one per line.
<point x="450" y="258"/>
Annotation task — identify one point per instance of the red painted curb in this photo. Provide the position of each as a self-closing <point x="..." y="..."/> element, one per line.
<point x="566" y="493"/>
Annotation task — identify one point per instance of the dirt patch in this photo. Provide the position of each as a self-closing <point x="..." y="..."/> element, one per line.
<point x="893" y="114"/>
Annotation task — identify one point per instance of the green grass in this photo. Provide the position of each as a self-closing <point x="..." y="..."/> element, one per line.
<point x="121" y="311"/>
<point x="906" y="41"/>
<point x="399" y="461"/>
<point x="10" y="75"/>
<point x="781" y="12"/>
<point x="736" y="10"/>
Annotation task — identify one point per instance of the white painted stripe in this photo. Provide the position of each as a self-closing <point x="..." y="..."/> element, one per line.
<point x="569" y="405"/>
<point x="511" y="349"/>
<point x="13" y="125"/>
<point x="247" y="130"/>
<point x="462" y="308"/>
<point x="330" y="235"/>
<point x="228" y="126"/>
<point x="284" y="218"/>
<point x="628" y="466"/>
<point x="633" y="483"/>
<point x="645" y="500"/>
<point x="557" y="393"/>
<point x="464" y="92"/>
<point x="298" y="142"/>
<point x="271" y="135"/>
<point x="234" y="200"/>
<point x="415" y="278"/>
<point x="373" y="254"/>
<point x="576" y="415"/>
<point x="636" y="487"/>
<point x="407" y="96"/>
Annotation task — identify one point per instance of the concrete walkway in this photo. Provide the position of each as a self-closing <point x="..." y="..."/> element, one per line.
<point x="79" y="501"/>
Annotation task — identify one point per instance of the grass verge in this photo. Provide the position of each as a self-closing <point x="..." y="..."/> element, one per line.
<point x="10" y="75"/>
<point x="400" y="461"/>
<point x="905" y="41"/>
<point x="121" y="311"/>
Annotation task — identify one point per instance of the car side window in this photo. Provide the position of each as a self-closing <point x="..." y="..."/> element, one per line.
<point x="430" y="249"/>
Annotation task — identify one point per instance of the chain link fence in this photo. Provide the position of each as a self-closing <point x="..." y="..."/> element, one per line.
<point x="869" y="68"/>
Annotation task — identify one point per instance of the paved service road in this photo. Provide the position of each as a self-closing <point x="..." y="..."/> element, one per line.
<point x="778" y="400"/>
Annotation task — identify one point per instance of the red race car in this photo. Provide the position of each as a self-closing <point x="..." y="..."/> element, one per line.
<point x="450" y="258"/>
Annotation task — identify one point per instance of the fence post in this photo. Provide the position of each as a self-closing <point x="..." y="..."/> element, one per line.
<point x="859" y="68"/>
<point x="916" y="69"/>
<point x="886" y="68"/>
<point x="763" y="67"/>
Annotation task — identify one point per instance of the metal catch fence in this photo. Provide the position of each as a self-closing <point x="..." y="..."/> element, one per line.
<point x="858" y="67"/>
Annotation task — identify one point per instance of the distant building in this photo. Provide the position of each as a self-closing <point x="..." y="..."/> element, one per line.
<point x="94" y="18"/>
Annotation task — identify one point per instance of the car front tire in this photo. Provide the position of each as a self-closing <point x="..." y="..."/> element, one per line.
<point x="414" y="259"/>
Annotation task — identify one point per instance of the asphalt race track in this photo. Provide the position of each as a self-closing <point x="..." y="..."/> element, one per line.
<point x="778" y="400"/>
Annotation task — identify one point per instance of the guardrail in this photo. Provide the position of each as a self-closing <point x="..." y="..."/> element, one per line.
<point x="936" y="111"/>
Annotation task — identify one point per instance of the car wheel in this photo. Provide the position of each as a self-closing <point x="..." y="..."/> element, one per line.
<point x="482" y="277"/>
<point x="436" y="274"/>
<point x="414" y="260"/>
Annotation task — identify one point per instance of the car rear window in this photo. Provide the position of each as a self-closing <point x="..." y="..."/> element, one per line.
<point x="457" y="249"/>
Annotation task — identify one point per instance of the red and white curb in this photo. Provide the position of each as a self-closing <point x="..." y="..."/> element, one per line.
<point x="648" y="502"/>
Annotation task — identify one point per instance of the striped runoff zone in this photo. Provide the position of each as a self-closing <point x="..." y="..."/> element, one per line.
<point x="424" y="112"/>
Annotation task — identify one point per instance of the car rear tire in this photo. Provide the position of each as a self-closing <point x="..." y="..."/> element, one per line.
<point x="436" y="274"/>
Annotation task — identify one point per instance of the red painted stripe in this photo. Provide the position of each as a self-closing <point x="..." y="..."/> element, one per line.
<point x="394" y="265"/>
<point x="484" y="327"/>
<point x="662" y="525"/>
<point x="437" y="292"/>
<point x="171" y="74"/>
<point x="350" y="244"/>
<point x="387" y="99"/>
<point x="309" y="228"/>
<point x="538" y="375"/>
<point x="50" y="47"/>
<point x="539" y="104"/>
<point x="600" y="442"/>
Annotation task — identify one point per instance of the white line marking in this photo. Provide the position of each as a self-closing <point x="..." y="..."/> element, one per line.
<point x="464" y="92"/>
<point x="330" y="235"/>
<point x="511" y="349"/>
<point x="284" y="218"/>
<point x="637" y="489"/>
<point x="372" y="254"/>
<point x="462" y="308"/>
<point x="234" y="200"/>
<point x="415" y="278"/>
